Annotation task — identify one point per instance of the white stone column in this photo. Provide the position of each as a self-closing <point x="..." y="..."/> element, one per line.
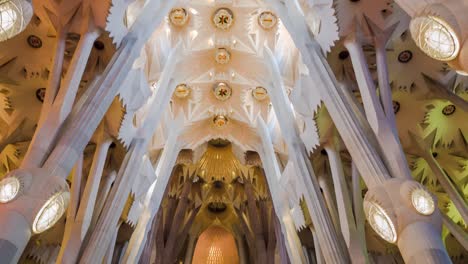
<point x="343" y="199"/>
<point x="73" y="238"/>
<point x="367" y="160"/>
<point x="334" y="248"/>
<point x="52" y="120"/>
<point x="273" y="174"/>
<point x="153" y="197"/>
<point x="386" y="134"/>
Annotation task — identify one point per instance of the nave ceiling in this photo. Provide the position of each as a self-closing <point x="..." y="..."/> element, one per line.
<point x="216" y="54"/>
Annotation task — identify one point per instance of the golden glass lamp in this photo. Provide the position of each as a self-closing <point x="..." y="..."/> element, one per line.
<point x="51" y="212"/>
<point x="422" y="201"/>
<point x="14" y="17"/>
<point x="380" y="221"/>
<point x="435" y="37"/>
<point x="9" y="189"/>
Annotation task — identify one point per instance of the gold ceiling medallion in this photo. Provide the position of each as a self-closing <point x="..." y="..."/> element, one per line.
<point x="222" y="56"/>
<point x="220" y="121"/>
<point x="178" y="17"/>
<point x="222" y="91"/>
<point x="223" y="18"/>
<point x="260" y="93"/>
<point x="267" y="20"/>
<point x="182" y="91"/>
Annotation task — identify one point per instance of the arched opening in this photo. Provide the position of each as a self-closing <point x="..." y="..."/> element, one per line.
<point x="216" y="245"/>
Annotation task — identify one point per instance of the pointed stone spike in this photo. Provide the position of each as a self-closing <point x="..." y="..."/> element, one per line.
<point x="381" y="35"/>
<point x="440" y="90"/>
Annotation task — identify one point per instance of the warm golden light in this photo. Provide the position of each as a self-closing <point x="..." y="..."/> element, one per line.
<point x="14" y="17"/>
<point x="51" y="212"/>
<point x="380" y="221"/>
<point x="9" y="188"/>
<point x="422" y="202"/>
<point x="435" y="37"/>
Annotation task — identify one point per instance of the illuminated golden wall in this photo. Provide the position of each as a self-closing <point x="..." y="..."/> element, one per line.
<point x="216" y="246"/>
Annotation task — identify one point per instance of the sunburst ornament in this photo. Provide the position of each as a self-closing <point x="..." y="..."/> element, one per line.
<point x="179" y="17"/>
<point x="260" y="93"/>
<point x="222" y="91"/>
<point x="220" y="121"/>
<point x="448" y="124"/>
<point x="267" y="20"/>
<point x="222" y="56"/>
<point x="223" y="18"/>
<point x="182" y="91"/>
<point x="435" y="37"/>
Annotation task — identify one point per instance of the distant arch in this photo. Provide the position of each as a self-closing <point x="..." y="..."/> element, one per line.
<point x="216" y="245"/>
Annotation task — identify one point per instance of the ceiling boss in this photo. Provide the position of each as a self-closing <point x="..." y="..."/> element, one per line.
<point x="223" y="18"/>
<point x="222" y="91"/>
<point x="179" y="17"/>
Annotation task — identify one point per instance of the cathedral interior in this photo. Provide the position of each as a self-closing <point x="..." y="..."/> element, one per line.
<point x="234" y="131"/>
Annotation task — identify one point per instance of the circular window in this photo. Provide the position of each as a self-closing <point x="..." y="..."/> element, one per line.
<point x="223" y="18"/>
<point x="267" y="20"/>
<point x="51" y="212"/>
<point x="380" y="221"/>
<point x="178" y="17"/>
<point x="9" y="188"/>
<point x="435" y="37"/>
<point x="422" y="202"/>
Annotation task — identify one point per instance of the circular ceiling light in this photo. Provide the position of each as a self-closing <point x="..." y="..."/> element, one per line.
<point x="267" y="20"/>
<point x="51" y="212"/>
<point x="422" y="201"/>
<point x="260" y="93"/>
<point x="223" y="18"/>
<point x="182" y="91"/>
<point x="178" y="17"/>
<point x="220" y="121"/>
<point x="14" y="17"/>
<point x="222" y="91"/>
<point x="9" y="188"/>
<point x="380" y="221"/>
<point x="222" y="56"/>
<point x="435" y="37"/>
